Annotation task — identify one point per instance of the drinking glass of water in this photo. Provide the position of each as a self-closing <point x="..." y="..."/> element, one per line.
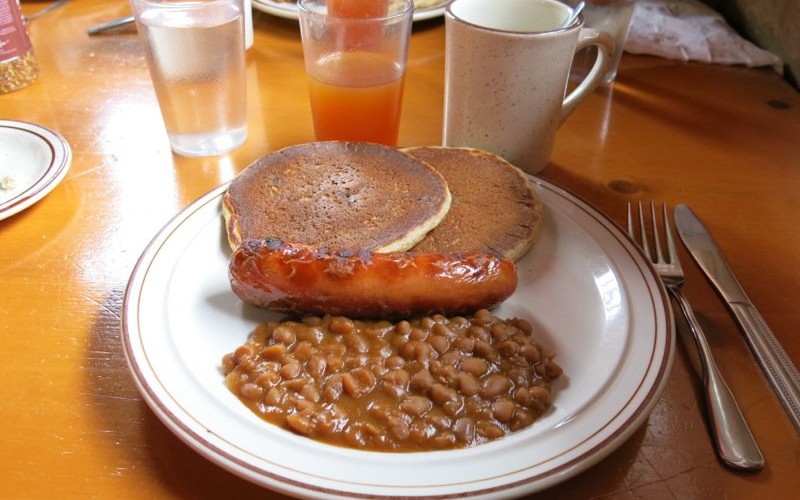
<point x="196" y="55"/>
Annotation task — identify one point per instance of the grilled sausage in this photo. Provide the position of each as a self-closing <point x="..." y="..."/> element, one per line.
<point x="298" y="279"/>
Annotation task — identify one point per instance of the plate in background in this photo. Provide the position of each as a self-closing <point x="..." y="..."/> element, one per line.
<point x="288" y="10"/>
<point x="33" y="160"/>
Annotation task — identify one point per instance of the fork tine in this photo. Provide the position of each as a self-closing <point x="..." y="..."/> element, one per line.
<point x="656" y="238"/>
<point x="643" y="233"/>
<point x="673" y="253"/>
<point x="631" y="232"/>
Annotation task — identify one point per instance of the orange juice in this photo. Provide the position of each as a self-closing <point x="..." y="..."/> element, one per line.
<point x="358" y="8"/>
<point x="356" y="96"/>
<point x="359" y="34"/>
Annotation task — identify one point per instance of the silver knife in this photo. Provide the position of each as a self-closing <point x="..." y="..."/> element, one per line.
<point x="776" y="364"/>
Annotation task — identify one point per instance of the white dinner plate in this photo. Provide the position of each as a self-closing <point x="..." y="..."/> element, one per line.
<point x="288" y="10"/>
<point x="584" y="286"/>
<point x="33" y="160"/>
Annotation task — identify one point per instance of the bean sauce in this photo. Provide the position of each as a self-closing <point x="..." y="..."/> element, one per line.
<point x="425" y="384"/>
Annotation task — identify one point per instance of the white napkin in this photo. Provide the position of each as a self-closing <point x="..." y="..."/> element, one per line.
<point x="691" y="31"/>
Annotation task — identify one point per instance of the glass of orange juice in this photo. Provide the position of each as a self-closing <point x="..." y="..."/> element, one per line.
<point x="355" y="55"/>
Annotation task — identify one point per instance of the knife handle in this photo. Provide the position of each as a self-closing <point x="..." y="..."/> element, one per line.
<point x="733" y="440"/>
<point x="776" y="364"/>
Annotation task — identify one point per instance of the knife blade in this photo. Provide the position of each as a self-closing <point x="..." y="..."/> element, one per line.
<point x="781" y="373"/>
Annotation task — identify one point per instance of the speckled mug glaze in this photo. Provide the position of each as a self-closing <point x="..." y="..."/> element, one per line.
<point x="506" y="71"/>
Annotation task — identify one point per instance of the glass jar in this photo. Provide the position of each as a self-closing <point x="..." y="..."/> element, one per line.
<point x="17" y="62"/>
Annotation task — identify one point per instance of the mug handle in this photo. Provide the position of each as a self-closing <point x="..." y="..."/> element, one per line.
<point x="605" y="47"/>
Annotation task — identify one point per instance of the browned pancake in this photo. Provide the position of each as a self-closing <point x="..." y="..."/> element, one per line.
<point x="337" y="195"/>
<point x="494" y="208"/>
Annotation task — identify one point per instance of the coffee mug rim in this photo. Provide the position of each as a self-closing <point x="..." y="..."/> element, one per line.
<point x="576" y="23"/>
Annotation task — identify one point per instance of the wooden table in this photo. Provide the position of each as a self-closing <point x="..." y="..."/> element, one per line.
<point x="725" y="140"/>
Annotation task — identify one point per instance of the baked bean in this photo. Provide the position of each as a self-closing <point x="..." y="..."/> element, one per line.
<point x="364" y="376"/>
<point x="377" y="366"/>
<point x="475" y="366"/>
<point x="316" y="366"/>
<point x="447" y="373"/>
<point x="464" y="344"/>
<point x="530" y="352"/>
<point x="521" y="419"/>
<point x="275" y="351"/>
<point x="296" y="384"/>
<point x="403" y="328"/>
<point x="442" y="330"/>
<point x="284" y="335"/>
<point x="483" y="317"/>
<point x="228" y="364"/>
<point x="299" y="422"/>
<point x="274" y="397"/>
<point x="522" y="325"/>
<point x="508" y="348"/>
<point x="503" y="409"/>
<point x="453" y="408"/>
<point x="520" y="376"/>
<point x="484" y="349"/>
<point x="440" y="343"/>
<point x="395" y="362"/>
<point x="441" y="394"/>
<point x="268" y="379"/>
<point x="539" y="396"/>
<point x="464" y="430"/>
<point x="458" y="323"/>
<point x="409" y="349"/>
<point x="444" y="440"/>
<point x="334" y="363"/>
<point x="423" y="352"/>
<point x="333" y="388"/>
<point x="416" y="405"/>
<point x="356" y="343"/>
<point x="498" y="332"/>
<point x="312" y="320"/>
<point x="489" y="430"/>
<point x="341" y="325"/>
<point x="418" y="334"/>
<point x="399" y="429"/>
<point x="439" y="420"/>
<point x="251" y="390"/>
<point x="422" y="384"/>
<point x="305" y="406"/>
<point x="422" y="381"/>
<point x="552" y="370"/>
<point x="468" y="384"/>
<point x="335" y="348"/>
<point x="314" y="335"/>
<point x="242" y="353"/>
<point x="304" y="350"/>
<point x="310" y="392"/>
<point x="494" y="385"/>
<point x="290" y="370"/>
<point x="476" y="332"/>
<point x="450" y="358"/>
<point x="325" y="427"/>
<point x="397" y="377"/>
<point x="426" y="323"/>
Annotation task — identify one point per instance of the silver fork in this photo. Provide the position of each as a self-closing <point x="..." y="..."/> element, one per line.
<point x="733" y="440"/>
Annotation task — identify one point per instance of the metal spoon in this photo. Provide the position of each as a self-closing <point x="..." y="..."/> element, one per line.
<point x="47" y="9"/>
<point x="110" y="25"/>
<point x="575" y="12"/>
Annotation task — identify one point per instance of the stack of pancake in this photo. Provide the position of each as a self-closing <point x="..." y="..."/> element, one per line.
<point x="360" y="196"/>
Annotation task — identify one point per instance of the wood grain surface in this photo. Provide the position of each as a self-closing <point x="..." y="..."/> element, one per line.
<point x="725" y="140"/>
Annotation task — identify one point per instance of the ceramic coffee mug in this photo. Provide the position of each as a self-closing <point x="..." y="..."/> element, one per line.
<point x="506" y="71"/>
